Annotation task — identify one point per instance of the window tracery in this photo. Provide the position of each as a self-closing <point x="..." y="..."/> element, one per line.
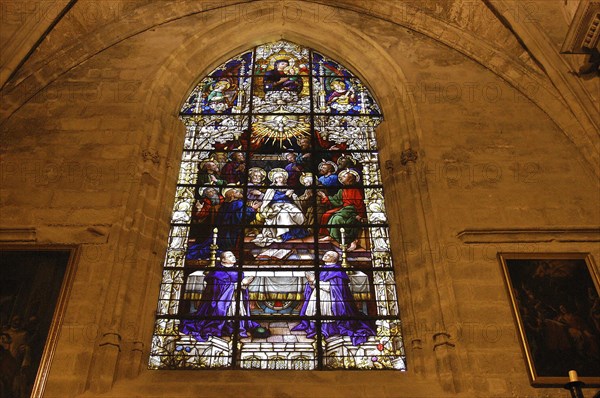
<point x="279" y="255"/>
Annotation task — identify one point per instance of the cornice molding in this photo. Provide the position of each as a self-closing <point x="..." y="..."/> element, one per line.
<point x="57" y="234"/>
<point x="526" y="235"/>
<point x="584" y="31"/>
<point x="18" y="235"/>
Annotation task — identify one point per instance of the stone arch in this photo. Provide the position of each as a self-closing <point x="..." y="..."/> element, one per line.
<point x="155" y="150"/>
<point x="401" y="118"/>
<point x="28" y="82"/>
<point x="401" y="133"/>
<point x="175" y="80"/>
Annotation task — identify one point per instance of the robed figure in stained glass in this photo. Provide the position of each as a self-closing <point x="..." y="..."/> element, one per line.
<point x="232" y="213"/>
<point x="341" y="97"/>
<point x="234" y="170"/>
<point x="336" y="300"/>
<point x="279" y="78"/>
<point x="218" y="99"/>
<point x="279" y="175"/>
<point x="282" y="212"/>
<point x="349" y="209"/>
<point x="219" y="300"/>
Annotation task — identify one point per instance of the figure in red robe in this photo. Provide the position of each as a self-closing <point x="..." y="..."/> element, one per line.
<point x="348" y="211"/>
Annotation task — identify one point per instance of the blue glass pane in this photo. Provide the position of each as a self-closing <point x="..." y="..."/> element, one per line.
<point x="279" y="245"/>
<point x="225" y="95"/>
<point x="238" y="66"/>
<point x="323" y="66"/>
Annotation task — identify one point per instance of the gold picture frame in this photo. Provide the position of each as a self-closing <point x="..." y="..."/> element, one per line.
<point x="556" y="305"/>
<point x="64" y="259"/>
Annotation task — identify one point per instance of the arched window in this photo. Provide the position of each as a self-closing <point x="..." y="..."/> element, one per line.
<point x="279" y="253"/>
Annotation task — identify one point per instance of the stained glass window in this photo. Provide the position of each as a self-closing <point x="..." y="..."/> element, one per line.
<point x="279" y="254"/>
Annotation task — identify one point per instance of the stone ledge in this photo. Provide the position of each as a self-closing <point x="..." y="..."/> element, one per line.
<point x="509" y="235"/>
<point x="57" y="234"/>
<point x="16" y="235"/>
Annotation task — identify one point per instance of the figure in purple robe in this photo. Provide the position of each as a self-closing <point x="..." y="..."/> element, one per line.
<point x="335" y="300"/>
<point x="219" y="302"/>
<point x="293" y="169"/>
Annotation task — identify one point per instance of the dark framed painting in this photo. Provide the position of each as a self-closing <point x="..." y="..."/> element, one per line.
<point x="34" y="286"/>
<point x="556" y="305"/>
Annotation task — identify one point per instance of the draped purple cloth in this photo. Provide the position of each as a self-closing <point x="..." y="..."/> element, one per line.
<point x="217" y="297"/>
<point x="358" y="329"/>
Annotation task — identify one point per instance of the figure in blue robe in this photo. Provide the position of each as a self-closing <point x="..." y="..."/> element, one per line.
<point x="228" y="221"/>
<point x="328" y="177"/>
<point x="336" y="300"/>
<point x="329" y="181"/>
<point x="232" y="215"/>
<point x="219" y="301"/>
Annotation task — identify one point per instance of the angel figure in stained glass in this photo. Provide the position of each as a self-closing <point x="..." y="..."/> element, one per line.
<point x="216" y="99"/>
<point x="341" y="97"/>
<point x="220" y="96"/>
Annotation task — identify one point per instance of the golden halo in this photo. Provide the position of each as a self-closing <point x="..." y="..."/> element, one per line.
<point x="223" y="83"/>
<point x="229" y="189"/>
<point x="332" y="164"/>
<point x="258" y="170"/>
<point x="306" y="175"/>
<point x="277" y="170"/>
<point x="353" y="172"/>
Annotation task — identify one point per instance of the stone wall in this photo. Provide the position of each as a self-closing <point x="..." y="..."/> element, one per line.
<point x="91" y="149"/>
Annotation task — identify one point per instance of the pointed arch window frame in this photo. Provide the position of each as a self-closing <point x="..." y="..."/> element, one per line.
<point x="166" y="353"/>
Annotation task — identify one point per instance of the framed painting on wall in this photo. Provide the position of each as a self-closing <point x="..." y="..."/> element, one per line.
<point x="34" y="285"/>
<point x="556" y="305"/>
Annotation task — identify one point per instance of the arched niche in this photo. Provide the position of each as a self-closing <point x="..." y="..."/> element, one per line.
<point x="397" y="135"/>
<point x="279" y="179"/>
